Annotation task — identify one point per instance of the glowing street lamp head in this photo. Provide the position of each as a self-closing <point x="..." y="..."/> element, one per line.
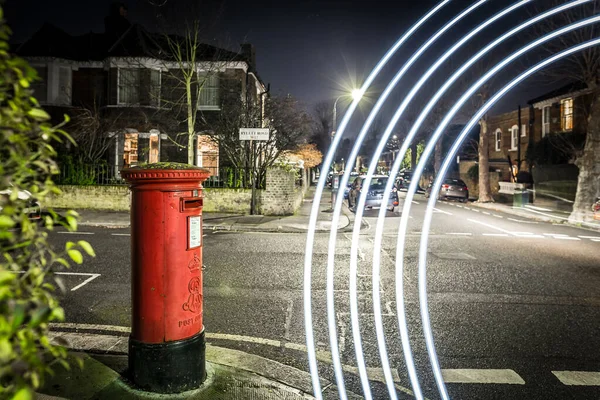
<point x="357" y="94"/>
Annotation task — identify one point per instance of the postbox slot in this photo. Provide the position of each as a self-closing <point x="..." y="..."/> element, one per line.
<point x="191" y="204"/>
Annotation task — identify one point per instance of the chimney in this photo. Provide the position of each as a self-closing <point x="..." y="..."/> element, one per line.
<point x="249" y="53"/>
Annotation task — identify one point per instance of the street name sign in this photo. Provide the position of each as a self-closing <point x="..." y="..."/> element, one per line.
<point x="254" y="133"/>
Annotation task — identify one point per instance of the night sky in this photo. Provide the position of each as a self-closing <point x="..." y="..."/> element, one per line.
<point x="314" y="49"/>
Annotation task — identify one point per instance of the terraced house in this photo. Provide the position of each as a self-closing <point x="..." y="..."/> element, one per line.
<point x="123" y="90"/>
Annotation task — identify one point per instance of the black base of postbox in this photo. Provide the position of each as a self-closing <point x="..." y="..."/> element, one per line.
<point x="170" y="367"/>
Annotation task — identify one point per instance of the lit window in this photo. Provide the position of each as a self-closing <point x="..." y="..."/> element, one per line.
<point x="209" y="92"/>
<point x="566" y="114"/>
<point x="498" y="139"/>
<point x="129" y="86"/>
<point x="514" y="137"/>
<point x="523" y="130"/>
<point x="545" y="121"/>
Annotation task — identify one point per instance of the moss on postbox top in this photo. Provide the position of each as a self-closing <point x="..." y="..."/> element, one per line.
<point x="165" y="165"/>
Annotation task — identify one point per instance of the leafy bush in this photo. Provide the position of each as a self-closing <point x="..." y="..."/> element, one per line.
<point x="27" y="303"/>
<point x="473" y="172"/>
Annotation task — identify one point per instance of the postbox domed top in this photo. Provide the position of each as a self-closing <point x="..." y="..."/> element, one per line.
<point x="165" y="172"/>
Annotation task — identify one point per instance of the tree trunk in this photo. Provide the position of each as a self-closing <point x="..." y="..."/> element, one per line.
<point x="588" y="181"/>
<point x="190" y="122"/>
<point x="485" y="192"/>
<point x="413" y="156"/>
<point x="437" y="156"/>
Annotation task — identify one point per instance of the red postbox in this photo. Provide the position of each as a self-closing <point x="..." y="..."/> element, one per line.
<point x="167" y="345"/>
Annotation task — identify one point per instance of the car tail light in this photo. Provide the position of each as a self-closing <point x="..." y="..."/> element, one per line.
<point x="396" y="203"/>
<point x="446" y="187"/>
<point x="465" y="188"/>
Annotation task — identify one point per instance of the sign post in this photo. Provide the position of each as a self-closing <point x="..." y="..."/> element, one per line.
<point x="253" y="135"/>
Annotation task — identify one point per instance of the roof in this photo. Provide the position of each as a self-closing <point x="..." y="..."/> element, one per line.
<point x="564" y="90"/>
<point x="136" y="41"/>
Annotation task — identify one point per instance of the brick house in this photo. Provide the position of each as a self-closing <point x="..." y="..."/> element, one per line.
<point x="559" y="112"/>
<point x="127" y="75"/>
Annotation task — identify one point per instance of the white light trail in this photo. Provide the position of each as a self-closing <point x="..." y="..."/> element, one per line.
<point x="310" y="341"/>
<point x="359" y="210"/>
<point x="437" y="185"/>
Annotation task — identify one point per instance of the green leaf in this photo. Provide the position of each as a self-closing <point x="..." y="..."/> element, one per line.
<point x="38" y="114"/>
<point x="6" y="222"/>
<point x="72" y="222"/>
<point x="75" y="256"/>
<point x="39" y="315"/>
<point x="23" y="394"/>
<point x="58" y="314"/>
<point x="87" y="248"/>
<point x="6" y="276"/>
<point x="18" y="316"/>
<point x="69" y="245"/>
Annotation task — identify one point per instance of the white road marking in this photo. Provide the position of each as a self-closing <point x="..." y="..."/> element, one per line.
<point x="466" y="208"/>
<point x="76" y="233"/>
<point x="90" y="327"/>
<point x="522" y="233"/>
<point x="497" y="216"/>
<point x="441" y="211"/>
<point x="88" y="280"/>
<point x="490" y="226"/>
<point x="566" y="238"/>
<point x="414" y="202"/>
<point x="531" y="236"/>
<point x="555" y="234"/>
<point x="496" y="234"/>
<point x="595" y="240"/>
<point x="537" y="208"/>
<point x="459" y="233"/>
<point x="459" y="206"/>
<point x="497" y="376"/>
<point x="578" y="378"/>
<point x="541" y="213"/>
<point x="474" y="210"/>
<point x="123" y="234"/>
<point x="486" y="213"/>
<point x="522" y="222"/>
<point x="590" y="237"/>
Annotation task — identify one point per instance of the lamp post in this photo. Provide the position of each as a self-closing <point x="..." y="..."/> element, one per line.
<point x="355" y="93"/>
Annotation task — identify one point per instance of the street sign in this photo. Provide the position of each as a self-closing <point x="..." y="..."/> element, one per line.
<point x="254" y="134"/>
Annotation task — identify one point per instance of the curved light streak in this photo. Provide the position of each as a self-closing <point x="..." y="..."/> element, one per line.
<point x="418" y="171"/>
<point x="310" y="341"/>
<point x="357" y="341"/>
<point x="372" y="167"/>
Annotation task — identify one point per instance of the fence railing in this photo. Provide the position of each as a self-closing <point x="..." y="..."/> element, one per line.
<point x="102" y="174"/>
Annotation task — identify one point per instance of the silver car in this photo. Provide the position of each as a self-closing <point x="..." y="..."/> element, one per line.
<point x="33" y="209"/>
<point x="374" y="194"/>
<point x="451" y="189"/>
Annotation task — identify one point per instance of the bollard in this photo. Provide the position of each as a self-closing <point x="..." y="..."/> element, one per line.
<point x="167" y="344"/>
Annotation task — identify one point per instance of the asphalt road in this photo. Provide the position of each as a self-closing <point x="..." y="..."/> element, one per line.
<point x="513" y="303"/>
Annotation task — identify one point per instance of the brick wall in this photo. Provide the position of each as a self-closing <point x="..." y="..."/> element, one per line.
<point x="504" y="122"/>
<point x="115" y="198"/>
<point x="473" y="185"/>
<point x="281" y="197"/>
<point x="235" y="201"/>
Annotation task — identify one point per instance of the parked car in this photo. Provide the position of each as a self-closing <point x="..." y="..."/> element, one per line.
<point x="596" y="209"/>
<point x="33" y="209"/>
<point x="375" y="192"/>
<point x="451" y="189"/>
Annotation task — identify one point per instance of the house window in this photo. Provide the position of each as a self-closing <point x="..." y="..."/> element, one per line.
<point x="154" y="149"/>
<point x="155" y="87"/>
<point x="514" y="137"/>
<point x="63" y="96"/>
<point x="545" y="121"/>
<point x="209" y="93"/>
<point x="523" y="130"/>
<point x="40" y="85"/>
<point x="566" y="114"/>
<point x="498" y="139"/>
<point x="130" y="150"/>
<point x="129" y="86"/>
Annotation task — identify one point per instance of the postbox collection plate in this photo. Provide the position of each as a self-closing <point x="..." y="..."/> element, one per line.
<point x="194" y="231"/>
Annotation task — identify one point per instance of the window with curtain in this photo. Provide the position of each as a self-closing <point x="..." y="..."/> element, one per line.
<point x="129" y="86"/>
<point x="566" y="114"/>
<point x="545" y="121"/>
<point x="155" y="87"/>
<point x="40" y="85"/>
<point x="498" y="139"/>
<point x="209" y="93"/>
<point x="514" y="137"/>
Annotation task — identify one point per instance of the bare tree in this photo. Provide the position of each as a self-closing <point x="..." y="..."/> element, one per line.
<point x="582" y="67"/>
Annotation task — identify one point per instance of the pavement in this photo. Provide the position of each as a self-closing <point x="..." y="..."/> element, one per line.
<point x="214" y="221"/>
<point x="231" y="374"/>
<point x="546" y="209"/>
